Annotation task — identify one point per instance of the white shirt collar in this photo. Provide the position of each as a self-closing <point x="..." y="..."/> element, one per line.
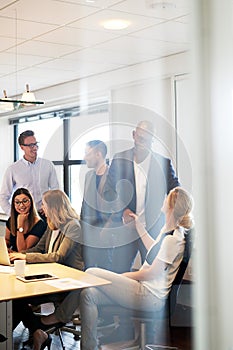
<point x="29" y="163"/>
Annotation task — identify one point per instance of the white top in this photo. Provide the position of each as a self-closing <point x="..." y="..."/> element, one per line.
<point x="171" y="252"/>
<point x="141" y="175"/>
<point x="37" y="177"/>
<point x="53" y="238"/>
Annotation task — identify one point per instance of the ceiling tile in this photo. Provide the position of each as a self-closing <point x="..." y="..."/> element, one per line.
<point x="179" y="8"/>
<point x="58" y="76"/>
<point x="100" y="4"/>
<point x="6" y="69"/>
<point x="8" y="83"/>
<point x="5" y="3"/>
<point x="44" y="49"/>
<point x="76" y="66"/>
<point x="119" y="57"/>
<point x="19" y="61"/>
<point x="144" y="47"/>
<point x="6" y="43"/>
<point x="34" y="77"/>
<point x="169" y="31"/>
<point x="184" y="19"/>
<point x="11" y="28"/>
<point x="47" y="11"/>
<point x="76" y="37"/>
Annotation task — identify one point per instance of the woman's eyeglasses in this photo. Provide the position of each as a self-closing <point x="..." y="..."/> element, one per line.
<point x="24" y="201"/>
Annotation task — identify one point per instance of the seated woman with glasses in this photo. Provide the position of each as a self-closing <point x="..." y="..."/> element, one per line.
<point x="61" y="243"/>
<point x="24" y="227"/>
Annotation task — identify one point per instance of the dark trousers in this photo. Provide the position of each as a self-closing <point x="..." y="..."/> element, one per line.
<point x="126" y="244"/>
<point x="97" y="257"/>
<point x="23" y="312"/>
<point x="123" y="257"/>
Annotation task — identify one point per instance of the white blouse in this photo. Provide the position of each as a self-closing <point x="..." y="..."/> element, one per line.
<point x="54" y="235"/>
<point x="171" y="252"/>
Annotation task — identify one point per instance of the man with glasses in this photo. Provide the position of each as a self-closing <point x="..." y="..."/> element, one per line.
<point x="36" y="174"/>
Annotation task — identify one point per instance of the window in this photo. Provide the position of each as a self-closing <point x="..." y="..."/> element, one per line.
<point x="48" y="133"/>
<point x="82" y="130"/>
<point x="63" y="141"/>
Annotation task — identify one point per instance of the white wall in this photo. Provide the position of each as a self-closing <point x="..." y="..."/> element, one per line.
<point x="186" y="137"/>
<point x="150" y="99"/>
<point x="6" y="146"/>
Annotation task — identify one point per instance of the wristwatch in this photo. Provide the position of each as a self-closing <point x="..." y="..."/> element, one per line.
<point x="20" y="229"/>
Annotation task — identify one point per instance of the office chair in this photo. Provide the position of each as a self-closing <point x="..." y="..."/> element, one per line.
<point x="148" y="318"/>
<point x="72" y="327"/>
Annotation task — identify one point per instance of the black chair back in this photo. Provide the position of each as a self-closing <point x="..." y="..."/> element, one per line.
<point x="172" y="300"/>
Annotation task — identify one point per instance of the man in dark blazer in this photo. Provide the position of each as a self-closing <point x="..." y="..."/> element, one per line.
<point x="138" y="180"/>
<point x="93" y="215"/>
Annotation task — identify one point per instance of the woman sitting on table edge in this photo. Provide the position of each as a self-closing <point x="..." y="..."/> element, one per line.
<point x="24" y="227"/>
<point x="146" y="289"/>
<point x="61" y="244"/>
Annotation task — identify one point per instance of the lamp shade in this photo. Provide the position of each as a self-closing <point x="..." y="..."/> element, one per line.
<point x="6" y="107"/>
<point x="28" y="96"/>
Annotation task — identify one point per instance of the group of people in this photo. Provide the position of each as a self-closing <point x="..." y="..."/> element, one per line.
<point x="123" y="212"/>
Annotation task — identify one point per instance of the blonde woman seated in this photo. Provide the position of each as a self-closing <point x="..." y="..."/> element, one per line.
<point x="146" y="289"/>
<point x="24" y="227"/>
<point x="61" y="244"/>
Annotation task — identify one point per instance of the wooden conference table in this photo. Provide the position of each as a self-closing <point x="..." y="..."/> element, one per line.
<point x="12" y="288"/>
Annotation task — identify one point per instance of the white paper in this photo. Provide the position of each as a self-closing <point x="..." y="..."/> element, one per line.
<point x="67" y="283"/>
<point x="7" y="269"/>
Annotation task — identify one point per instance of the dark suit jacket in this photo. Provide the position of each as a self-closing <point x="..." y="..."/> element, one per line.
<point x="121" y="192"/>
<point x="94" y="211"/>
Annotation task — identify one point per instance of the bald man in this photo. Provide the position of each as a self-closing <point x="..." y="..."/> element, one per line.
<point x="138" y="181"/>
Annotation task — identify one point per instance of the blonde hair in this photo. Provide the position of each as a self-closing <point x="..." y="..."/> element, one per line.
<point x="59" y="208"/>
<point x="182" y="204"/>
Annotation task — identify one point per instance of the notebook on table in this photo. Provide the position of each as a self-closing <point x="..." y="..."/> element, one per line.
<point x="4" y="257"/>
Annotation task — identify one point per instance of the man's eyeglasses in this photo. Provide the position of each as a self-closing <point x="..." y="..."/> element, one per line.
<point x="31" y="145"/>
<point x="24" y="201"/>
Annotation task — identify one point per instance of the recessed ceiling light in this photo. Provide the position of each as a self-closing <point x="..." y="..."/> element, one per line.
<point x="115" y="24"/>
